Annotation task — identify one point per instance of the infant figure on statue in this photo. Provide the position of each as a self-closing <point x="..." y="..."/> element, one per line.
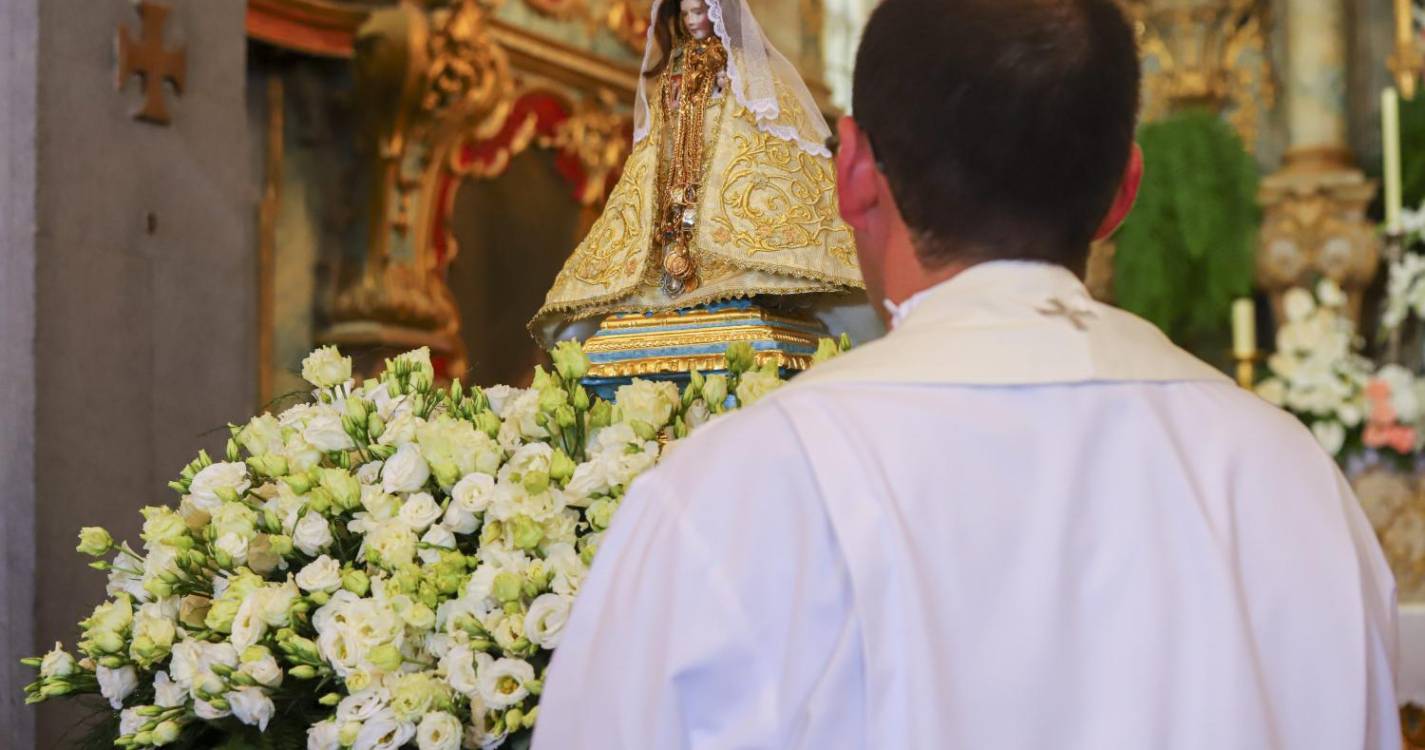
<point x="724" y="218"/>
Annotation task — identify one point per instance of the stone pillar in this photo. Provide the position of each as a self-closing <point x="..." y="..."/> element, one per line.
<point x="1314" y="221"/>
<point x="145" y="289"/>
<point x="19" y="29"/>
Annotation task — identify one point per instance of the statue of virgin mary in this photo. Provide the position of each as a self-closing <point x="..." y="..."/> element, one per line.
<point x="728" y="194"/>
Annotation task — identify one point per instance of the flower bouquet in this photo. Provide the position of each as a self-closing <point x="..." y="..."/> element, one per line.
<point x="389" y="564"/>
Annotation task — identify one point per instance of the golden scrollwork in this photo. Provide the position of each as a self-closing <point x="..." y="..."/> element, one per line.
<point x="778" y="198"/>
<point x="596" y="134"/>
<point x="1206" y="53"/>
<point x="419" y="74"/>
<point x="619" y="238"/>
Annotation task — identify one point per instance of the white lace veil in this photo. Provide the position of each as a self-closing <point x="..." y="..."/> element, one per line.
<point x="756" y="71"/>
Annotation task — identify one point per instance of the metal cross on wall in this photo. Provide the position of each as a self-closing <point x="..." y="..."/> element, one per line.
<point x="147" y="58"/>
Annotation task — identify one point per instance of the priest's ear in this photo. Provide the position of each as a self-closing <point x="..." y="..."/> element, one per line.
<point x="857" y="178"/>
<point x="1124" y="198"/>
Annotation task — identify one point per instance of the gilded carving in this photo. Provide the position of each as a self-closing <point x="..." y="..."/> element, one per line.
<point x="1207" y="53"/>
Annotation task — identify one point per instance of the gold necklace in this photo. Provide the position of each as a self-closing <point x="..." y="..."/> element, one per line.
<point x="703" y="61"/>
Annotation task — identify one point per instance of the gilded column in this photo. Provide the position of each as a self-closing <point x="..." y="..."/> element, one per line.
<point x="1314" y="206"/>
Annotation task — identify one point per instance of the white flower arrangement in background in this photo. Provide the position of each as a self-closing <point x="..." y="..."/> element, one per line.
<point x="388" y="565"/>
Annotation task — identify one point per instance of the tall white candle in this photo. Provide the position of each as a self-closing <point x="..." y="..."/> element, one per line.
<point x="1244" y="328"/>
<point x="1390" y="147"/>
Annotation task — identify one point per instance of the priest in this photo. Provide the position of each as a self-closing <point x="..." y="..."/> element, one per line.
<point x="1022" y="519"/>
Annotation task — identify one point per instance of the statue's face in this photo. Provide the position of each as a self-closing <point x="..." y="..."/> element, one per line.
<point x="695" y="19"/>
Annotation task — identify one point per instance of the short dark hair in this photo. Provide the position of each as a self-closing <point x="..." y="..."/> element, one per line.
<point x="1002" y="126"/>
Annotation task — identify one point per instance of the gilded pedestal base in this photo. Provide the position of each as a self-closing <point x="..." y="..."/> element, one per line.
<point x="670" y="345"/>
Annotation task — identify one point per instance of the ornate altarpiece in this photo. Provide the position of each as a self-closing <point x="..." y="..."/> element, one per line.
<point x="487" y="135"/>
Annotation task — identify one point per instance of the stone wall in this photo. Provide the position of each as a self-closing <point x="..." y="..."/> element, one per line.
<point x="145" y="279"/>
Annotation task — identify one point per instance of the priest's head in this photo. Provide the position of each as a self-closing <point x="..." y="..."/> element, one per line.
<point x="985" y="130"/>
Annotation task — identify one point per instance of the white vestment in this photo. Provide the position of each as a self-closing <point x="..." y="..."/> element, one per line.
<point x="1022" y="520"/>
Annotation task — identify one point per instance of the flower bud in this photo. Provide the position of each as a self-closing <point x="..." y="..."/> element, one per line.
<point x="299" y="483"/>
<point x="330" y="699"/>
<point x="94" y="541"/>
<point x="581" y="399"/>
<point x="385" y="657"/>
<point x="565" y="417"/>
<point x="740" y="357"/>
<point x="356" y="582"/>
<point x="561" y="467"/>
<point x="165" y="732"/>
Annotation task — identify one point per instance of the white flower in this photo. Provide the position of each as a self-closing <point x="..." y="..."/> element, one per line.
<point x="698" y="414"/>
<point x="325" y="432"/>
<point x="362" y="705"/>
<point x="326" y="367"/>
<point x="167" y="693"/>
<point x="474" y="492"/>
<point x="384" y="731"/>
<point x="263" y="608"/>
<point x="392" y="543"/>
<point x="753" y="386"/>
<point x="647" y="401"/>
<point x="438" y="731"/>
<point x="312" y="534"/>
<point x="116" y="684"/>
<point x="458" y="664"/>
<point x="460" y="520"/>
<point x="1298" y="303"/>
<point x="369" y="474"/>
<point x="321" y="574"/>
<point x="251" y="706"/>
<point x="436" y="536"/>
<point x="265" y="670"/>
<point x="57" y="663"/>
<point x="419" y="511"/>
<point x="527" y="459"/>
<point x="214" y="479"/>
<point x="1329" y="293"/>
<point x="233" y="545"/>
<point x="499" y="396"/>
<point x="208" y="712"/>
<point x="544" y="623"/>
<point x="505" y="682"/>
<point x="406" y="471"/>
<point x="1331" y="434"/>
<point x="324" y="735"/>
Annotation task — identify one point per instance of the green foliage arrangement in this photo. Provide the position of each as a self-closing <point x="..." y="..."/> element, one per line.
<point x="1188" y="248"/>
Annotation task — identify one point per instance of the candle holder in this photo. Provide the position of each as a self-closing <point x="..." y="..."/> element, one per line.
<point x="1247" y="369"/>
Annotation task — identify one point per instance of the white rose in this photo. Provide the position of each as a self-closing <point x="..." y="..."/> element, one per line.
<point x="321" y="574"/>
<point x="436" y="536"/>
<point x="419" y="511"/>
<point x="234" y="545"/>
<point x="438" y="731"/>
<point x="505" y="682"/>
<point x="325" y="367"/>
<point x="401" y="429"/>
<point x="167" y="693"/>
<point x="544" y="623"/>
<point x="755" y="385"/>
<point x="460" y="520"/>
<point x="362" y="705"/>
<point x="474" y="492"/>
<point x="1331" y="434"/>
<point x="406" y="471"/>
<point x="392" y="542"/>
<point x="384" y="731"/>
<point x="647" y="401"/>
<point x="130" y="722"/>
<point x="251" y="706"/>
<point x="312" y="534"/>
<point x="208" y="712"/>
<point x="1298" y="304"/>
<point x="57" y="663"/>
<point x="116" y="684"/>
<point x="265" y="671"/>
<point x="698" y="414"/>
<point x="324" y="735"/>
<point x="499" y="396"/>
<point x="458" y="664"/>
<point x="370" y="473"/>
<point x="216" y="478"/>
<point x="326" y="433"/>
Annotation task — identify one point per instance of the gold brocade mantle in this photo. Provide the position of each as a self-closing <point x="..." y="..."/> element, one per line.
<point x="766" y="224"/>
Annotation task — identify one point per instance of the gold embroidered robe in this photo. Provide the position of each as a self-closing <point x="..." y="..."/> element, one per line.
<point x="766" y="224"/>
